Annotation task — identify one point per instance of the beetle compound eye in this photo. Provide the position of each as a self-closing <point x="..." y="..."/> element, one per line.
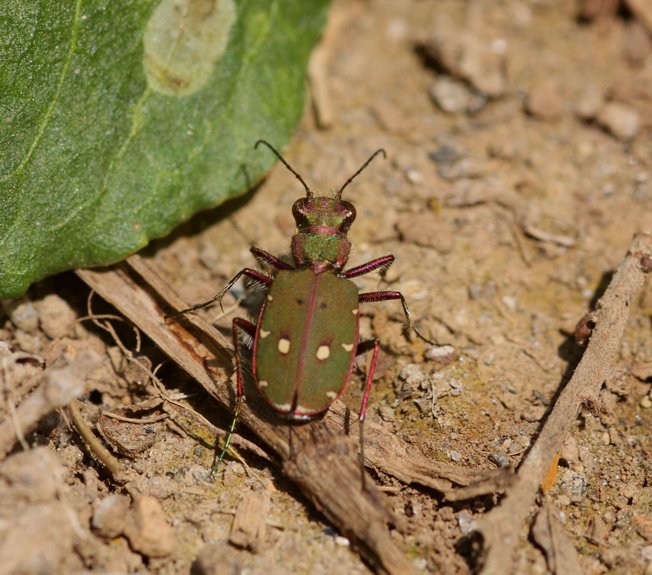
<point x="350" y="213"/>
<point x="299" y="212"/>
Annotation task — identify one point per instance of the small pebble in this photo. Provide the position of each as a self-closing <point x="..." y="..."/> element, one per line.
<point x="646" y="402"/>
<point x="563" y="501"/>
<point x="451" y="96"/>
<point x="544" y="102"/>
<point x="605" y="439"/>
<point x="24" y="316"/>
<point x="467" y="58"/>
<point x="599" y="530"/>
<point x="444" y="155"/>
<point x="442" y="354"/>
<point x="619" y="120"/>
<point x="569" y="451"/>
<point x="454" y="455"/>
<point x="462" y="169"/>
<point x="57" y="317"/>
<point x="455" y="384"/>
<point x="638" y="44"/>
<point x="511" y="303"/>
<point x="386" y="413"/>
<point x="646" y="552"/>
<point x="499" y="459"/>
<point x="414" y="176"/>
<point x="466" y="522"/>
<point x="149" y="532"/>
<point x="110" y="514"/>
<point x="589" y="103"/>
<point x="412" y="375"/>
<point x="342" y="541"/>
<point x="609" y="517"/>
<point x="420" y="563"/>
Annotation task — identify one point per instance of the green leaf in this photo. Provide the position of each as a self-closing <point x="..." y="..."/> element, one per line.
<point x="119" y="120"/>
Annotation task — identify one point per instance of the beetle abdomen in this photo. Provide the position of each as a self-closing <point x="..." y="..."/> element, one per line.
<point x="307" y="334"/>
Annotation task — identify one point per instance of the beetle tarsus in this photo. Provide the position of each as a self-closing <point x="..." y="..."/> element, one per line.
<point x="217" y="461"/>
<point x="255" y="275"/>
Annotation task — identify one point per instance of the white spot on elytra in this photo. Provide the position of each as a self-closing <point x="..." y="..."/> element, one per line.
<point x="284" y="345"/>
<point x="264" y="334"/>
<point x="331" y="394"/>
<point x="263" y="383"/>
<point x="354" y="311"/>
<point x="323" y="352"/>
<point x="347" y="346"/>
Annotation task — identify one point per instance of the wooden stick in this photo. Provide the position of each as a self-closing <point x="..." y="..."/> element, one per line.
<point x="504" y="525"/>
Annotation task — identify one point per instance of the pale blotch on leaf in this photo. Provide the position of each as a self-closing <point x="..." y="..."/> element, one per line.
<point x="184" y="39"/>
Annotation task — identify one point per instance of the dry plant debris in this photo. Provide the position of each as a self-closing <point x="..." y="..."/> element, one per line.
<point x="503" y="526"/>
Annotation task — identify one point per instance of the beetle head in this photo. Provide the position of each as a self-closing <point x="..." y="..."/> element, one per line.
<point x="322" y="223"/>
<point x="323" y="214"/>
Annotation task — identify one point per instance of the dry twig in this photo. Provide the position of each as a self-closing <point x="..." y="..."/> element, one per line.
<point x="94" y="444"/>
<point x="503" y="526"/>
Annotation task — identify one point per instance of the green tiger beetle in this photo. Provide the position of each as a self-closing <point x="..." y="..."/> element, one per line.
<point x="306" y="338"/>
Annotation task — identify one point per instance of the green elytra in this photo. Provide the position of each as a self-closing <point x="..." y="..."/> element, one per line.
<point x="305" y="342"/>
<point x="306" y="338"/>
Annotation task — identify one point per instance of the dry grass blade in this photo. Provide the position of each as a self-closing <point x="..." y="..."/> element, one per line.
<point x="502" y="527"/>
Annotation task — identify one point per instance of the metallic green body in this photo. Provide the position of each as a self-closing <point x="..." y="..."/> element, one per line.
<point x="306" y="339"/>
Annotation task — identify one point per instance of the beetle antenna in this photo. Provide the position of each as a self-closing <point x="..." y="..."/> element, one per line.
<point x="379" y="151"/>
<point x="273" y="149"/>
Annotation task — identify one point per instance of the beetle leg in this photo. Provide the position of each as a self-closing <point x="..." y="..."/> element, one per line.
<point x="379" y="263"/>
<point x="265" y="257"/>
<point x="250" y="273"/>
<point x="363" y="347"/>
<point x="375" y="296"/>
<point x="239" y="325"/>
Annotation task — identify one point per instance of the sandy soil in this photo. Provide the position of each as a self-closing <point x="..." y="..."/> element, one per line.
<point x="519" y="147"/>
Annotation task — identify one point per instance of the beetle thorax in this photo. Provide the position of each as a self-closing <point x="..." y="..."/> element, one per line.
<point x="321" y="241"/>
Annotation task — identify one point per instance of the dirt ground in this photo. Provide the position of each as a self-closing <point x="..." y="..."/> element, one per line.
<point x="518" y="136"/>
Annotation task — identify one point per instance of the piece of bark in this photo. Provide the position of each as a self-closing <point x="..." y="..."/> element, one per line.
<point x="503" y="526"/>
<point x="248" y="527"/>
